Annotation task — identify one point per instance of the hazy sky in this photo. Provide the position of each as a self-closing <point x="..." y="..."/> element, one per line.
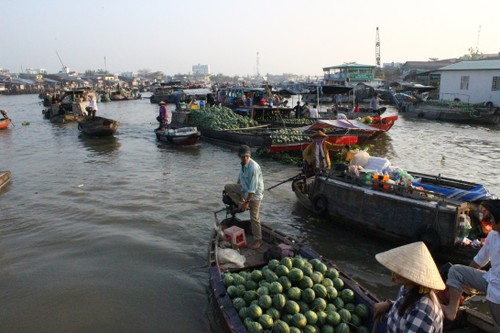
<point x="290" y="36"/>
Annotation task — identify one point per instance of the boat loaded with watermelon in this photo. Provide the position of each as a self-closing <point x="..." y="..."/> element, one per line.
<point x="285" y="286"/>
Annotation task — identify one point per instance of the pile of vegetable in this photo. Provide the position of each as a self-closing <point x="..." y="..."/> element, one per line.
<point x="288" y="135"/>
<point x="219" y="118"/>
<point x="452" y="104"/>
<point x="297" y="122"/>
<point x="295" y="295"/>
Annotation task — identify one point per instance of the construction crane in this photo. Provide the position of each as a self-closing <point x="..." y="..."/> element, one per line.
<point x="64" y="68"/>
<point x="377" y="49"/>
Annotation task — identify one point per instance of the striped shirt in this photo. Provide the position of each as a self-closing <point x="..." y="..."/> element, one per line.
<point x="425" y="316"/>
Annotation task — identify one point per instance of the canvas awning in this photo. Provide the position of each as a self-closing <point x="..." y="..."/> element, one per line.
<point x="339" y="123"/>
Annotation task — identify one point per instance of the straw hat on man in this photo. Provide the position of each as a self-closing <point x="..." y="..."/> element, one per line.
<point x="416" y="307"/>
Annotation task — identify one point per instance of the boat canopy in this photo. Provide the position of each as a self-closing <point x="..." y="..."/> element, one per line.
<point x="339" y="123"/>
<point x="195" y="92"/>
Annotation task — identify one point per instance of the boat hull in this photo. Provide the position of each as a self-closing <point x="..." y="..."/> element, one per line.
<point x="4" y="123"/>
<point x="4" y="178"/>
<point x="383" y="212"/>
<point x="178" y="138"/>
<point x="98" y="126"/>
<point x="481" y="116"/>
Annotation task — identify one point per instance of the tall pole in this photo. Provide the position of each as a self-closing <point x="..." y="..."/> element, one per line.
<point x="105" y="67"/>
<point x="377" y="49"/>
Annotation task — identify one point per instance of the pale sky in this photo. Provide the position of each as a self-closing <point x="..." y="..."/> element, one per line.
<point x="291" y="36"/>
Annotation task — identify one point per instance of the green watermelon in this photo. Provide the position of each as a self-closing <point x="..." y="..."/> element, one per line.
<point x="243" y="312"/>
<point x="285" y="282"/>
<point x="254" y="311"/>
<point x="257" y="275"/>
<point x="332" y="273"/>
<point x="307" y="270"/>
<point x="239" y="303"/>
<point x="299" y="320"/>
<point x="308" y="295"/>
<point x="345" y="315"/>
<point x="265" y="301"/>
<point x="327" y="329"/>
<point x="363" y="329"/>
<point x="294" y="329"/>
<point x="356" y="320"/>
<point x="282" y="270"/>
<point x="350" y="307"/>
<point x="232" y="291"/>
<point x="250" y="295"/>
<point x="279" y="301"/>
<point x="294" y="293"/>
<point x="312" y="317"/>
<point x="255" y="327"/>
<point x="292" y="307"/>
<point x="362" y="310"/>
<point x="263" y="291"/>
<point x="319" y="304"/>
<point x="240" y="290"/>
<point x="228" y="279"/>
<point x="338" y="283"/>
<point x="331" y="292"/>
<point x="310" y="329"/>
<point x="338" y="302"/>
<point x="306" y="282"/>
<point x="274" y="313"/>
<point x="298" y="262"/>
<point x="330" y="307"/>
<point x="320" y="290"/>
<point x="304" y="307"/>
<point x="327" y="282"/>
<point x="321" y="268"/>
<point x="295" y="275"/>
<point x="287" y="262"/>
<point x="251" y="285"/>
<point x="333" y="318"/>
<point x="275" y="288"/>
<point x="273" y="264"/>
<point x="321" y="318"/>
<point x="280" y="327"/>
<point x="266" y="321"/>
<point x="317" y="277"/>
<point x="342" y="328"/>
<point x="347" y="295"/>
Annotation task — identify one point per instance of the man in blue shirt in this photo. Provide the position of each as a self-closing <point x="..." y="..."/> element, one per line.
<point x="249" y="191"/>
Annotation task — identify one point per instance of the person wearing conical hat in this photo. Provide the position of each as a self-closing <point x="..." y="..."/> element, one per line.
<point x="316" y="155"/>
<point x="473" y="276"/>
<point x="416" y="308"/>
<point x="163" y="116"/>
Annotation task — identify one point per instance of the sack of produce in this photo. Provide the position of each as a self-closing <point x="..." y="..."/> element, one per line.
<point x="361" y="158"/>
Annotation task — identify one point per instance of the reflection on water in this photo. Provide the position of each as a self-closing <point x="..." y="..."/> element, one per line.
<point x="100" y="145"/>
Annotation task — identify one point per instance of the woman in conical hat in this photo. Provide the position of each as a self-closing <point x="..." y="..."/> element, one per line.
<point x="473" y="276"/>
<point x="416" y="308"/>
<point x="317" y="155"/>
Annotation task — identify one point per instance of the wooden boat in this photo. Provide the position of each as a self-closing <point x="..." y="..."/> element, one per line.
<point x="382" y="208"/>
<point x="124" y="94"/>
<point x="4" y="178"/>
<point x="179" y="136"/>
<point x="254" y="259"/>
<point x="70" y="108"/>
<point x="451" y="112"/>
<point x="228" y="317"/>
<point x="98" y="126"/>
<point x="4" y="123"/>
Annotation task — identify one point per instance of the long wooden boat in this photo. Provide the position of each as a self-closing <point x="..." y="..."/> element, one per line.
<point x="4" y="178"/>
<point x="229" y="307"/>
<point x="451" y="112"/>
<point x="181" y="136"/>
<point x="98" y="126"/>
<point x="124" y="95"/>
<point x="382" y="209"/>
<point x="4" y="123"/>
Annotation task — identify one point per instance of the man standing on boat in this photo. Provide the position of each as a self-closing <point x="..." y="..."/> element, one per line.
<point x="249" y="191"/>
<point x="298" y="110"/>
<point x="375" y="103"/>
<point x="92" y="106"/>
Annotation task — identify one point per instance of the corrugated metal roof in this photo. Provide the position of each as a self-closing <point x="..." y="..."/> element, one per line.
<point x="349" y="66"/>
<point x="473" y="65"/>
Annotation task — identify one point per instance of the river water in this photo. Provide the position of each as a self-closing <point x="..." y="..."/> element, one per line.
<point x="111" y="234"/>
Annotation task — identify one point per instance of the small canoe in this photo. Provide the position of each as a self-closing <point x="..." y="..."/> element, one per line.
<point x="4" y="178"/>
<point x="181" y="136"/>
<point x="98" y="126"/>
<point x="4" y="123"/>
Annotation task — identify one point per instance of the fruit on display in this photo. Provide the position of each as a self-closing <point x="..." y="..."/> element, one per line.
<point x="295" y="295"/>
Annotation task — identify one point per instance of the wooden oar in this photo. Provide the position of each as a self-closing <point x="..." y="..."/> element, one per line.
<point x="286" y="180"/>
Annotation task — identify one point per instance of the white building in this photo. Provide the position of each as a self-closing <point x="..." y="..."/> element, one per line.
<point x="471" y="82"/>
<point x="201" y="69"/>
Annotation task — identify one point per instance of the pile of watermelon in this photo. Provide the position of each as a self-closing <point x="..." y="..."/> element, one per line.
<point x="295" y="295"/>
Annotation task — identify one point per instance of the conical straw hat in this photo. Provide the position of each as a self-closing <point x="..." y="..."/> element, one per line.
<point x="413" y="262"/>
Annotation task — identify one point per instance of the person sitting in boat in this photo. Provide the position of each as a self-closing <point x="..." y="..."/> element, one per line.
<point x="313" y="113"/>
<point x="163" y="116"/>
<point x="92" y="106"/>
<point x="473" y="276"/>
<point x="416" y="308"/>
<point x="316" y="155"/>
<point x="356" y="109"/>
<point x="4" y="114"/>
<point x="339" y="115"/>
